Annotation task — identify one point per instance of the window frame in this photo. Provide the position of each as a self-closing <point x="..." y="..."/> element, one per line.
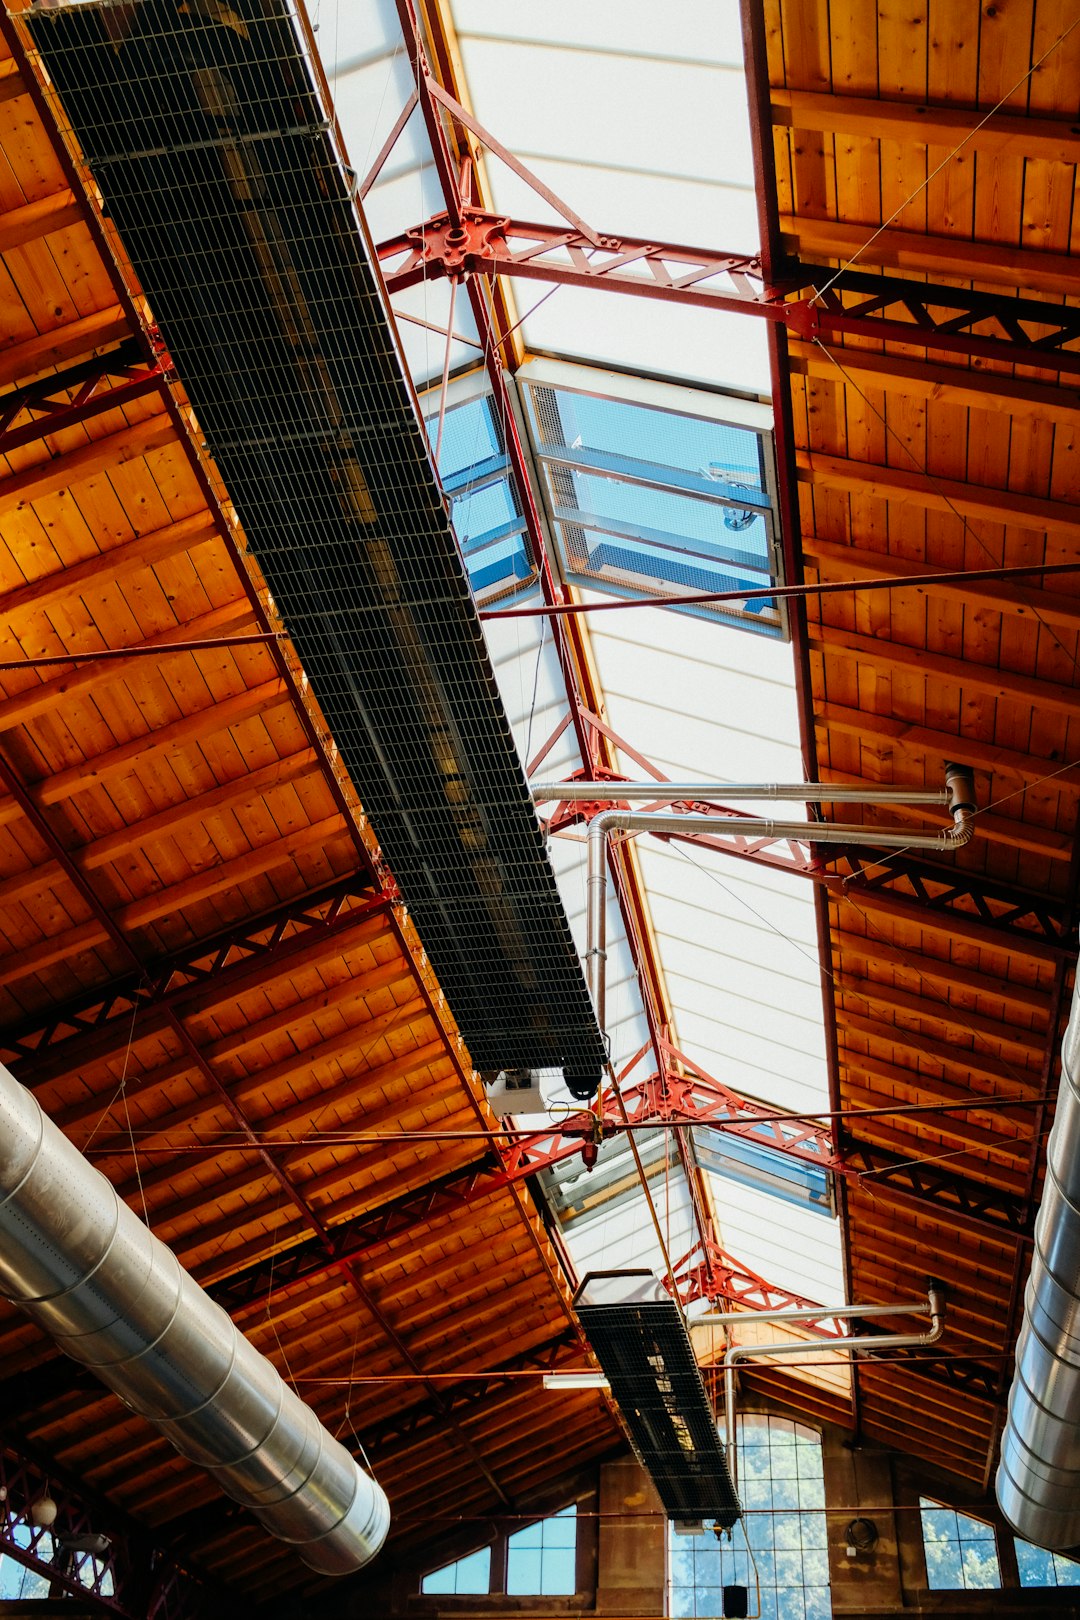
<point x="770" y="1422"/>
<point x="499" y="1547"/>
<point x="931" y="1504"/>
<point x="467" y="388"/>
<point x="623" y="388"/>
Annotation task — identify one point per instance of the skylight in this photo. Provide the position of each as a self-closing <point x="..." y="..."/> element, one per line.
<point x="474" y="471"/>
<point x="646" y="499"/>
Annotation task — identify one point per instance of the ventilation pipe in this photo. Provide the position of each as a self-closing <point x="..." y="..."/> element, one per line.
<point x="958" y="794"/>
<point x="1038" y="1478"/>
<point x="934" y="1306"/>
<point x="87" y="1270"/>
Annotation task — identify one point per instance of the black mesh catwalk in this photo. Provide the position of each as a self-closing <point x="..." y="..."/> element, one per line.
<point x="204" y="130"/>
<point x="640" y="1340"/>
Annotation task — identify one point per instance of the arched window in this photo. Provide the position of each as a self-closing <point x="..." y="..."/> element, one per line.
<point x="781" y="1540"/>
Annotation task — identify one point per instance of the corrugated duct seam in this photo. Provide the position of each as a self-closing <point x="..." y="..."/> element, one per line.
<point x="90" y="1274"/>
<point x="1038" y="1479"/>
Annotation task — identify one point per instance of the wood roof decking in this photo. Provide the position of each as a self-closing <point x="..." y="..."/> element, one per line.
<point x="150" y="805"/>
<point x="908" y="459"/>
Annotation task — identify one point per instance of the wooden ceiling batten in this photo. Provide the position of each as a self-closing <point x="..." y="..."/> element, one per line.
<point x="908" y="463"/>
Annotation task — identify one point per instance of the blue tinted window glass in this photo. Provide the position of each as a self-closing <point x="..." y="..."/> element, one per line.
<point x="541" y="1558"/>
<point x="650" y="502"/>
<point x="1038" y="1567"/>
<point x="470" y="1575"/>
<point x="961" y="1551"/>
<point x="776" y="1544"/>
<point x="484" y="510"/>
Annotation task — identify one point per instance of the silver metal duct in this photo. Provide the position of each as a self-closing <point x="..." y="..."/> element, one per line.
<point x="934" y="1306"/>
<point x="958" y="794"/>
<point x="87" y="1270"/>
<point x="1038" y="1478"/>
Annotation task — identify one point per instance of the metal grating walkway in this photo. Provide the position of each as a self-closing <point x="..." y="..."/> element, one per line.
<point x="210" y="143"/>
<point x="641" y="1342"/>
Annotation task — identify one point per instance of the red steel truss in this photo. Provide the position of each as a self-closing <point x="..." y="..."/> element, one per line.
<point x="491" y="244"/>
<point x="975" y="325"/>
<point x="708" y="1272"/>
<point x="70" y="398"/>
<point x="92" y="1551"/>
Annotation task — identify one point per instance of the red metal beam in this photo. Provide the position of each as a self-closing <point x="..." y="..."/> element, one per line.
<point x="458" y="184"/>
<point x="69" y="398"/>
<point x="708" y="1272"/>
<point x="130" y="1574"/>
<point x="70" y="1034"/>
<point x="470" y="242"/>
<point x="481" y="243"/>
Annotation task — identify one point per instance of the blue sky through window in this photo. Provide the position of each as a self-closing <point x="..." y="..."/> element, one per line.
<point x="475" y="476"/>
<point x="647" y="501"/>
<point x="468" y="1575"/>
<point x="542" y="1558"/>
<point x="961" y="1551"/>
<point x="1038" y="1567"/>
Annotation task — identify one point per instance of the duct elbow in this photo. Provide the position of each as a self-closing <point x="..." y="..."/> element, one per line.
<point x="960" y="788"/>
<point x="936" y="1296"/>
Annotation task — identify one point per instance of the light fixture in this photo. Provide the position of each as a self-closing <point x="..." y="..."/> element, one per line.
<point x="42" y="1512"/>
<point x="577" y="1380"/>
<point x="87" y="1541"/>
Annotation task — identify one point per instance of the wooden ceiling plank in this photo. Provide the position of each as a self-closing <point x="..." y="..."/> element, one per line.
<point x="22" y="362"/>
<point x="991" y="263"/>
<point x="12" y="83"/>
<point x="1054" y="140"/>
<point x="166" y="741"/>
<point x="104" y="851"/>
<point x="51" y="476"/>
<point x="948" y="925"/>
<point x="948" y="1053"/>
<point x="1030" y="1043"/>
<point x="932" y="1087"/>
<point x="984" y="1127"/>
<point x="1000" y="1164"/>
<point x="1008" y="686"/>
<point x="50" y="591"/>
<point x="950" y="495"/>
<point x="393" y="976"/>
<point x="928" y="1426"/>
<point x="47" y="953"/>
<point x="151" y="1131"/>
<point x="254" y="1087"/>
<point x="967" y="388"/>
<point x="858" y="951"/>
<point x="906" y="1248"/>
<point x="144" y="1085"/>
<point x="848" y="562"/>
<point x="38" y="218"/>
<point x="22" y="707"/>
<point x="972" y="1312"/>
<point x="921" y="740"/>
